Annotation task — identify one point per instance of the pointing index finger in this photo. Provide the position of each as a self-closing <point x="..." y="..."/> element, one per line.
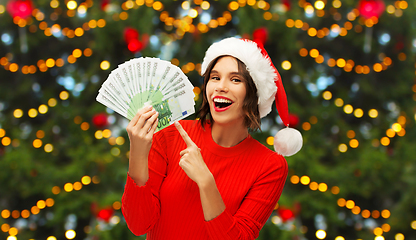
<point x="184" y="135"/>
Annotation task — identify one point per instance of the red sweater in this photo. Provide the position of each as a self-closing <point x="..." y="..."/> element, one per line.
<point x="249" y="177"/>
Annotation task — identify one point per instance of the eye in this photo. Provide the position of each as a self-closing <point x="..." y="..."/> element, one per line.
<point x="214" y="78"/>
<point x="236" y="80"/>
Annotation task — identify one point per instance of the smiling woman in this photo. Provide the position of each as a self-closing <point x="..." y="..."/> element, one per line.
<point x="209" y="179"/>
<point x="238" y="75"/>
<point x="226" y="92"/>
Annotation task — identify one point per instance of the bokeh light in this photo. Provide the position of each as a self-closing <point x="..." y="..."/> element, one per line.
<point x="320" y="234"/>
<point x="105" y="65"/>
<point x="70" y="234"/>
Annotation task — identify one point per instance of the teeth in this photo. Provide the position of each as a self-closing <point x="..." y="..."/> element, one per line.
<point x="222" y="100"/>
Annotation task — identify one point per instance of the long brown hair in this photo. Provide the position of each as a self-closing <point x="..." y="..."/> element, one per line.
<point x="250" y="104"/>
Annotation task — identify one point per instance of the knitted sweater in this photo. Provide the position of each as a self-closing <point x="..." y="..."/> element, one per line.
<point x="249" y="177"/>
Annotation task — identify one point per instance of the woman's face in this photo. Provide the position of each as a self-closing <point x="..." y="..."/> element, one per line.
<point x="226" y="90"/>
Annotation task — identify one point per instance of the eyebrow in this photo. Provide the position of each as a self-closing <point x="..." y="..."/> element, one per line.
<point x="231" y="73"/>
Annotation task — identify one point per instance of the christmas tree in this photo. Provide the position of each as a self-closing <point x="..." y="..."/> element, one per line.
<point x="347" y="66"/>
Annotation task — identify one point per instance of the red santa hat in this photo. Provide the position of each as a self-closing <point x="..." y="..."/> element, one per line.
<point x="287" y="141"/>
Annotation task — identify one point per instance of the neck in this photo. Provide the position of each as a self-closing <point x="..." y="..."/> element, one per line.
<point x="228" y="136"/>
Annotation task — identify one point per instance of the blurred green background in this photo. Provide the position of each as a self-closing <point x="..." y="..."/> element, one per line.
<point x="348" y="67"/>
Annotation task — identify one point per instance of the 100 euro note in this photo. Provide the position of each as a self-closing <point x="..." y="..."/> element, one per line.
<point x="149" y="81"/>
<point x="171" y="107"/>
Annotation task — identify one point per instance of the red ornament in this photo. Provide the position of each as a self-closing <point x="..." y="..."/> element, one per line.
<point x="260" y="35"/>
<point x="130" y="34"/>
<point x="131" y="37"/>
<point x="371" y="8"/>
<point x="293" y="120"/>
<point x="104" y="4"/>
<point x="100" y="120"/>
<point x="105" y="214"/>
<point x="285" y="214"/>
<point x="287" y="4"/>
<point x="135" y="45"/>
<point x="20" y="8"/>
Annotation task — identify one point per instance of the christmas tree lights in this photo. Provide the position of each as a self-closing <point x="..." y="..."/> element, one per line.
<point x="347" y="126"/>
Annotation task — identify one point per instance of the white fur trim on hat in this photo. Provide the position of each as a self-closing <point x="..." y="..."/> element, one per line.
<point x="260" y="68"/>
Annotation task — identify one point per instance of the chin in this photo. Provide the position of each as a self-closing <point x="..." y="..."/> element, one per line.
<point x="227" y="120"/>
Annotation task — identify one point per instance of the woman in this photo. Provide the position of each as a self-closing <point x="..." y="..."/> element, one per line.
<point x="208" y="179"/>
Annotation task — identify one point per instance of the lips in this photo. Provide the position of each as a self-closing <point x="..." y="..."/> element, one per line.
<point x="221" y="103"/>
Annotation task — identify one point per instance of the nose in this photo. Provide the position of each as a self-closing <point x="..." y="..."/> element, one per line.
<point x="221" y="86"/>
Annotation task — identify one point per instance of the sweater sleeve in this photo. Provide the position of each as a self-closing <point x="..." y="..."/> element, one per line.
<point x="141" y="204"/>
<point x="256" y="207"/>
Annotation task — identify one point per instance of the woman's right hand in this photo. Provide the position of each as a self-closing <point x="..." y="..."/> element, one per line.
<point x="140" y="130"/>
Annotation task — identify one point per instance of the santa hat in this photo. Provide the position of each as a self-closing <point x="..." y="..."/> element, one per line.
<point x="287" y="141"/>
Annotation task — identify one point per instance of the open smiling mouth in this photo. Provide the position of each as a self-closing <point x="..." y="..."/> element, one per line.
<point x="222" y="104"/>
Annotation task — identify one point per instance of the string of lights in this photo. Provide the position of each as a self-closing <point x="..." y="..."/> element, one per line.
<point x="44" y="65"/>
<point x="67" y="187"/>
<point x="49" y="202"/>
<point x="185" y="25"/>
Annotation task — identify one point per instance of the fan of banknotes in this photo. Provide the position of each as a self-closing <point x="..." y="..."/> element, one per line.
<point x="141" y="82"/>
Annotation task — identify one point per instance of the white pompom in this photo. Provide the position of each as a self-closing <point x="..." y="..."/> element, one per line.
<point x="288" y="141"/>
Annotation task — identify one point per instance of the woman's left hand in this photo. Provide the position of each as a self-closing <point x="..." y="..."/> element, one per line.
<point x="191" y="160"/>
